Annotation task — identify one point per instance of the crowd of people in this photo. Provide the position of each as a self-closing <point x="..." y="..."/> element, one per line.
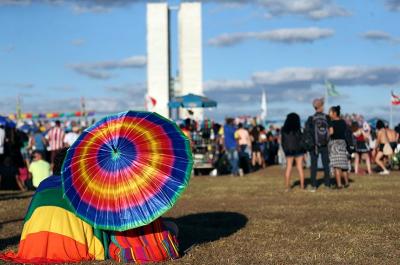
<point x="336" y="142"/>
<point x="340" y="142"/>
<point x="27" y="151"/>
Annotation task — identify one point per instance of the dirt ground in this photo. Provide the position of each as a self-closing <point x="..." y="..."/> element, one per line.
<point x="251" y="220"/>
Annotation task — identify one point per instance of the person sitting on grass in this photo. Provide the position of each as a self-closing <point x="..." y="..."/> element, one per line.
<point x="52" y="233"/>
<point x="39" y="170"/>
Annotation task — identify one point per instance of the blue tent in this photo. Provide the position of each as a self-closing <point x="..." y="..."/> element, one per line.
<point x="192" y="101"/>
<point x="6" y="122"/>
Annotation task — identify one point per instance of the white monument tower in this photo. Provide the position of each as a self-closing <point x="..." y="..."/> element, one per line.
<point x="157" y="97"/>
<point x="190" y="66"/>
<point x="190" y="53"/>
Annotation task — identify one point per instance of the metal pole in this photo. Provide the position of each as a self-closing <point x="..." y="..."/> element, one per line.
<point x="391" y="114"/>
<point x="326" y="96"/>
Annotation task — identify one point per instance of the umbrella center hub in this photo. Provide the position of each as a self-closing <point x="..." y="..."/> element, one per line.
<point x="115" y="154"/>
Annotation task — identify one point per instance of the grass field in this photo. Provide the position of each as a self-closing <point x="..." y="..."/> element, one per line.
<point x="250" y="220"/>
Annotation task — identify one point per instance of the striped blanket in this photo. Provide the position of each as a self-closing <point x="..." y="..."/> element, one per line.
<point x="150" y="243"/>
<point x="53" y="234"/>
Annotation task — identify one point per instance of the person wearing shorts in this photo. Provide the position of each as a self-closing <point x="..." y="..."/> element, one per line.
<point x="292" y="147"/>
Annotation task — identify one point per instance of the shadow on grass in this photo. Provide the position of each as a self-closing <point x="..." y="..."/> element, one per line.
<point x="195" y="229"/>
<point x="15" y="195"/>
<point x="11" y="221"/>
<point x="9" y="241"/>
<point x="320" y="182"/>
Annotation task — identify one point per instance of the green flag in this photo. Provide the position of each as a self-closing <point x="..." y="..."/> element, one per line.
<point x="332" y="92"/>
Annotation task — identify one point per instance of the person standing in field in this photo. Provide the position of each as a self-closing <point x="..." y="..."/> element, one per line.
<point x="55" y="138"/>
<point x="243" y="137"/>
<point x="384" y="147"/>
<point x="362" y="149"/>
<point x="230" y="145"/>
<point x="317" y="132"/>
<point x="292" y="138"/>
<point x="2" y="142"/>
<point x="338" y="154"/>
<point x="71" y="136"/>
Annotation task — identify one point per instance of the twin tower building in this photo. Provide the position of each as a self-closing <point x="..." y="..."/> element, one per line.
<point x="162" y="86"/>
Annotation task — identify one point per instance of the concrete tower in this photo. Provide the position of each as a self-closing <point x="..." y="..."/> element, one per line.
<point x="190" y="52"/>
<point x="157" y="97"/>
<point x="158" y="56"/>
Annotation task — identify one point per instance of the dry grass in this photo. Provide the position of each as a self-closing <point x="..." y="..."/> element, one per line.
<point x="250" y="220"/>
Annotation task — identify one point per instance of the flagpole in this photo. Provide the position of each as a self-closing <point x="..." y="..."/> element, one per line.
<point x="391" y="113"/>
<point x="326" y="95"/>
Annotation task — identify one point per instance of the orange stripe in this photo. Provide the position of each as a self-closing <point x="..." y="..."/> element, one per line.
<point x="49" y="246"/>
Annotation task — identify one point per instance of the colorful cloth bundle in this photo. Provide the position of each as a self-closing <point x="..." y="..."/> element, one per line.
<point x="150" y="243"/>
<point x="53" y="234"/>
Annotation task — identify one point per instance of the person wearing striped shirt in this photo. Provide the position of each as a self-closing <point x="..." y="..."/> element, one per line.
<point x="55" y="139"/>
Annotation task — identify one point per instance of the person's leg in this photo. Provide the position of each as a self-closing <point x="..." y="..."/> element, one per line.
<point x="299" y="166"/>
<point x="325" y="162"/>
<point x="288" y="172"/>
<point x="52" y="157"/>
<point x="338" y="175"/>
<point x="356" y="162"/>
<point x="368" y="162"/>
<point x="259" y="159"/>
<point x="314" y="165"/>
<point x="346" y="178"/>
<point x="21" y="186"/>
<point x="379" y="162"/>
<point x="235" y="162"/>
<point x="253" y="158"/>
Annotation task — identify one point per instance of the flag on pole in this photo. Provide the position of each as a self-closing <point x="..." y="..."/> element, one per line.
<point x="150" y="102"/>
<point x="331" y="89"/>
<point x="264" y="110"/>
<point x="19" y="109"/>
<point x="395" y="99"/>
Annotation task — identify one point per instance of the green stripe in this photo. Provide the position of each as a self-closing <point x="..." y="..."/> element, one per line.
<point x="54" y="197"/>
<point x="49" y="197"/>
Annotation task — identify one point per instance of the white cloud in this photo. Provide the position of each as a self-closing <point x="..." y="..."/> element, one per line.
<point x="377" y="35"/>
<point x="393" y="5"/>
<point x="82" y="9"/>
<point x="312" y="9"/>
<point x="301" y="77"/>
<point x="227" y="84"/>
<point x="17" y="85"/>
<point x="100" y="70"/>
<point x="288" y="36"/>
<point x="78" y="42"/>
<point x="15" y="2"/>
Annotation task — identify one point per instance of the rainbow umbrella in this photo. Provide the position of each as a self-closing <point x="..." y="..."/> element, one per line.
<point x="127" y="170"/>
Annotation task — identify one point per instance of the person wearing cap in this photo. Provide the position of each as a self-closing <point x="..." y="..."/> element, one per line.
<point x="71" y="136"/>
<point x="317" y="130"/>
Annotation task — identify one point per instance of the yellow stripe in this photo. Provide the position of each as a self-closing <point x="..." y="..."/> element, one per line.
<point x="173" y="243"/>
<point x="133" y="185"/>
<point x="58" y="220"/>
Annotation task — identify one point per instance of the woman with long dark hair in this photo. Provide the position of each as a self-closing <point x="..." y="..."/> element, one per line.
<point x="338" y="155"/>
<point x="292" y="147"/>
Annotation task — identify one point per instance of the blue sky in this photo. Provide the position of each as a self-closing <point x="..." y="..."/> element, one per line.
<point x="54" y="52"/>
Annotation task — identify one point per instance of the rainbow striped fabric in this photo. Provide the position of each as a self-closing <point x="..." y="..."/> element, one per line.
<point x="53" y="234"/>
<point x="150" y="243"/>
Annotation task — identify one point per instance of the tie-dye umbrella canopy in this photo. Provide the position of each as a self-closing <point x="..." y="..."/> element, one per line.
<point x="127" y="170"/>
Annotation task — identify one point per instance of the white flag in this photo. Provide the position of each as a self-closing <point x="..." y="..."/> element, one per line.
<point x="264" y="109"/>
